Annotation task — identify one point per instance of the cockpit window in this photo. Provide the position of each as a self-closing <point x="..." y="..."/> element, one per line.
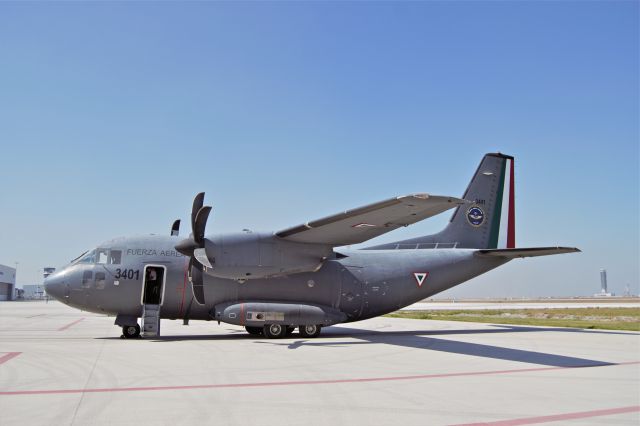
<point x="116" y="256"/>
<point x="102" y="255"/>
<point x="75" y="260"/>
<point x="88" y="258"/>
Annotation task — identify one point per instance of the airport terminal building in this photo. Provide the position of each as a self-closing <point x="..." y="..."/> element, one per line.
<point x="7" y="282"/>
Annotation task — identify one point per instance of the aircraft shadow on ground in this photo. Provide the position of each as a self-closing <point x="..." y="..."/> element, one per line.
<point x="420" y="339"/>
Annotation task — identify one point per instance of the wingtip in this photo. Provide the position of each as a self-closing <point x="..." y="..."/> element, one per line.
<point x="569" y="249"/>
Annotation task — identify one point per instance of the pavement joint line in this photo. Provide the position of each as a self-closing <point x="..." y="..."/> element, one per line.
<point x="63" y="328"/>
<point x="305" y="382"/>
<point x="8" y="356"/>
<point x="556" y="417"/>
<point x="93" y="369"/>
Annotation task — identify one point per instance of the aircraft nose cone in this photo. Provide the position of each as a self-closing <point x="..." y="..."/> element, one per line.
<point x="54" y="286"/>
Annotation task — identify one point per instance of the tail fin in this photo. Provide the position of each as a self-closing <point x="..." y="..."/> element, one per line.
<point x="489" y="222"/>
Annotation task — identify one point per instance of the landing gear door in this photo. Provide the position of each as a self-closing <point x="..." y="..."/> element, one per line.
<point x="351" y="292"/>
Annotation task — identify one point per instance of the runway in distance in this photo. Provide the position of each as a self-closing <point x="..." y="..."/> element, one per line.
<point x="301" y="277"/>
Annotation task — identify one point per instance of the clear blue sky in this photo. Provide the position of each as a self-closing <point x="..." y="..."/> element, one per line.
<point x="113" y="115"/>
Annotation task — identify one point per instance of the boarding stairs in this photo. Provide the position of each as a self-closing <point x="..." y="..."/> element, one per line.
<point x="150" y="320"/>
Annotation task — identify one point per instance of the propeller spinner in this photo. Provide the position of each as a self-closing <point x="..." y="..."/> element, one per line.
<point x="194" y="247"/>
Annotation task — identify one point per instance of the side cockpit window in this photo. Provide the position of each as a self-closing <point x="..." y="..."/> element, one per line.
<point x="102" y="255"/>
<point x="116" y="257"/>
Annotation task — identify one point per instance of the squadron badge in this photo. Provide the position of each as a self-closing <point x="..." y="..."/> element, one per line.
<point x="475" y="216"/>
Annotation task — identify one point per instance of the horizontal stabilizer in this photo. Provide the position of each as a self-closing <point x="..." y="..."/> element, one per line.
<point x="363" y="223"/>
<point x="513" y="253"/>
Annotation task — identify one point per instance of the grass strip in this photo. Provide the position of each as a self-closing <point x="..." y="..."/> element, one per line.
<point x="587" y="318"/>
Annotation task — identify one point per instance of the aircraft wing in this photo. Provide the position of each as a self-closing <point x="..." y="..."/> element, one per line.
<point x="512" y="253"/>
<point x="363" y="223"/>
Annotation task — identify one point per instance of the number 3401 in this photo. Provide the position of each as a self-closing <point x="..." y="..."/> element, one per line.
<point x="127" y="274"/>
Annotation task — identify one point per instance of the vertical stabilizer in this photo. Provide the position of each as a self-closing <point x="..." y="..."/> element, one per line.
<point x="487" y="223"/>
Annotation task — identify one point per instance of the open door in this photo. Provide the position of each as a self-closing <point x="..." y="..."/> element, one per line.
<point x="152" y="295"/>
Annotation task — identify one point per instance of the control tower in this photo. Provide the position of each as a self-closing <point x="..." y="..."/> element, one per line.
<point x="603" y="285"/>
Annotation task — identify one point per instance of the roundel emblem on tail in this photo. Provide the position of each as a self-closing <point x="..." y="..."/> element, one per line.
<point x="475" y="216"/>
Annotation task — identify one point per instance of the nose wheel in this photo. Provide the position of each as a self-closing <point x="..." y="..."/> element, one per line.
<point x="130" y="331"/>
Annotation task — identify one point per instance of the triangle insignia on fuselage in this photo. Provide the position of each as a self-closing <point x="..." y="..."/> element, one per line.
<point x="420" y="277"/>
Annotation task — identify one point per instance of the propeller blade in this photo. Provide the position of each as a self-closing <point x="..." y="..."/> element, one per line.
<point x="175" y="228"/>
<point x="200" y="224"/>
<point x="201" y="255"/>
<point x="197" y="283"/>
<point x="194" y="247"/>
<point x="198" y="202"/>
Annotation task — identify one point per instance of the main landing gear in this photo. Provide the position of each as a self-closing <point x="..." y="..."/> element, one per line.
<point x="278" y="331"/>
<point x="130" y="331"/>
<point x="309" y="330"/>
<point x="254" y="331"/>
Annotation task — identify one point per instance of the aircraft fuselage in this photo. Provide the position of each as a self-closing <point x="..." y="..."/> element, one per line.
<point x="359" y="283"/>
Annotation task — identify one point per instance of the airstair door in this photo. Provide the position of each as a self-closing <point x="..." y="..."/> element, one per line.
<point x="152" y="292"/>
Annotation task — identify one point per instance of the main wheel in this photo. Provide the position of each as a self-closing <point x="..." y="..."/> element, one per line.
<point x="254" y="331"/>
<point x="131" y="331"/>
<point x="309" y="330"/>
<point x="274" y="331"/>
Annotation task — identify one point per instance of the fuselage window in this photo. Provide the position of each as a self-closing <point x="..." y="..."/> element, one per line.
<point x="103" y="255"/>
<point x="116" y="256"/>
<point x="87" y="277"/>
<point x="100" y="280"/>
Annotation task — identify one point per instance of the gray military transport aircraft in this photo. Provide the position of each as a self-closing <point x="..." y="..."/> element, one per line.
<point x="301" y="277"/>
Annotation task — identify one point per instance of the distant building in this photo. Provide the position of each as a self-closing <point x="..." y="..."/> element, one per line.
<point x="33" y="292"/>
<point x="7" y="282"/>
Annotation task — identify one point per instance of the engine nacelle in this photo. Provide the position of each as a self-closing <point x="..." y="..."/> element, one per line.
<point x="253" y="256"/>
<point x="257" y="314"/>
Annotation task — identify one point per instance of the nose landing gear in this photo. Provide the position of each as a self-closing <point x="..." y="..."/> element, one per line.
<point x="130" y="331"/>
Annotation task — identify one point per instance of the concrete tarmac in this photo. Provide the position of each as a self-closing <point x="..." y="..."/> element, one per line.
<point x="59" y="366"/>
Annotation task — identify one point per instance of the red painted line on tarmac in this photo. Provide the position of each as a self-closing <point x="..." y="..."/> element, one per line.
<point x="70" y="325"/>
<point x="8" y="356"/>
<point x="302" y="382"/>
<point x="558" y="417"/>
